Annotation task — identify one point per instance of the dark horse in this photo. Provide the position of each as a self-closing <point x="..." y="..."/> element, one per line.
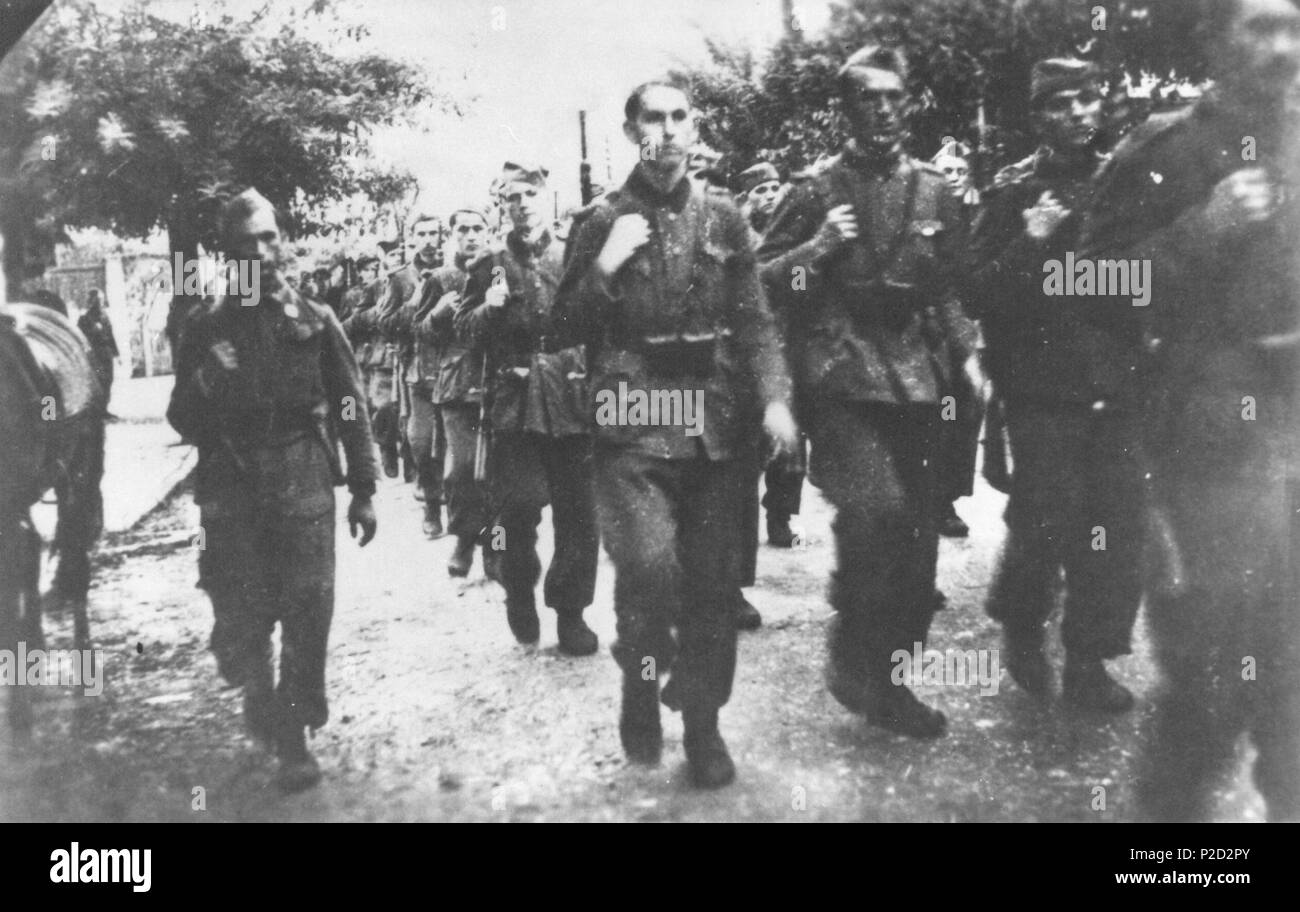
<point x="52" y="413"/>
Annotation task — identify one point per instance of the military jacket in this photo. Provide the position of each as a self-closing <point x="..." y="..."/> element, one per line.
<point x="872" y="319"/>
<point x="685" y="313"/>
<point x="537" y="385"/>
<point x="296" y="379"/>
<point x="452" y="362"/>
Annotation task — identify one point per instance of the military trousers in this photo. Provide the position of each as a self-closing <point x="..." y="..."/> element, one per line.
<point x="467" y="504"/>
<point x="383" y="403"/>
<point x="267" y="557"/>
<point x="1227" y="643"/>
<point x="670" y="528"/>
<point x="530" y="471"/>
<point x="1076" y="505"/>
<point x="783" y="481"/>
<point x="428" y="438"/>
<point x="959" y="443"/>
<point x="876" y="465"/>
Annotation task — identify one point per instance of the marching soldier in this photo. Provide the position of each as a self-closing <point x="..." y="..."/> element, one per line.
<point x="859" y="261"/>
<point x="377" y="361"/>
<point x="418" y="362"/>
<point x="1208" y="197"/>
<point x="1063" y="367"/>
<point x="662" y="286"/>
<point x="448" y="294"/>
<point x="265" y="389"/>
<point x="541" y="433"/>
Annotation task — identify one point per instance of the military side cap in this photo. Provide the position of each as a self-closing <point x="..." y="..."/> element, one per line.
<point x="388" y="246"/>
<point x="951" y="147"/>
<point x="875" y="66"/>
<point x="514" y="172"/>
<point x="1059" y="74"/>
<point x="754" y="175"/>
<point x="467" y="210"/>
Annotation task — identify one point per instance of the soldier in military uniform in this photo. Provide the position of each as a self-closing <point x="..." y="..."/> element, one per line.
<point x="445" y="297"/>
<point x="377" y="359"/>
<point x="541" y="432"/>
<point x="1064" y="368"/>
<point x="1208" y="196"/>
<point x="266" y="389"/>
<point x="663" y="288"/>
<point x="418" y="362"/>
<point x="859" y="261"/>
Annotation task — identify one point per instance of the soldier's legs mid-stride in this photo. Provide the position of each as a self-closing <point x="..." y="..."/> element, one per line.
<point x="1076" y="505"/>
<point x="384" y="417"/>
<point x="530" y="471"/>
<point x="1228" y="647"/>
<point x="876" y="465"/>
<point x="267" y="559"/>
<point x="783" y="479"/>
<point x="429" y="450"/>
<point x="670" y="529"/>
<point x="467" y="509"/>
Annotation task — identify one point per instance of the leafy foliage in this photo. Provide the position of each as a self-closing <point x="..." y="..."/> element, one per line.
<point x="782" y="107"/>
<point x="129" y="121"/>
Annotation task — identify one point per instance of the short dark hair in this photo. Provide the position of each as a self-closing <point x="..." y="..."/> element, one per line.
<point x="240" y="208"/>
<point x="423" y="217"/>
<point x="635" y="101"/>
<point x="451" y="222"/>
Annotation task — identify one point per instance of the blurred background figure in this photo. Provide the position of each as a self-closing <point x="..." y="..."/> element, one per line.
<point x="98" y="331"/>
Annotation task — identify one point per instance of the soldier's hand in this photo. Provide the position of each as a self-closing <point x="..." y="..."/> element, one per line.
<point x="224" y="355"/>
<point x="840" y="225"/>
<point x="975" y="375"/>
<point x="630" y="233"/>
<point x="781" y="428"/>
<point x="448" y="302"/>
<point x="1242" y="198"/>
<point x="496" y="295"/>
<point x="1044" y="217"/>
<point x="361" y="516"/>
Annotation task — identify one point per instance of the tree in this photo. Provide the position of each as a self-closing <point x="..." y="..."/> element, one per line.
<point x="964" y="56"/>
<point x="129" y="121"/>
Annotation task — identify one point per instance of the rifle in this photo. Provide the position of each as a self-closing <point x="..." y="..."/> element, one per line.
<point x="483" y="440"/>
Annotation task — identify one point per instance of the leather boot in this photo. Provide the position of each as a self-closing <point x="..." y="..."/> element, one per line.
<point x="746" y="615"/>
<point x="638" y="723"/>
<point x="845" y="665"/>
<point x="576" y="638"/>
<point x="779" y="533"/>
<point x="521" y="615"/>
<point x="298" y="768"/>
<point x="896" y="708"/>
<point x="432" y="525"/>
<point x="950" y="524"/>
<point x="1027" y="662"/>
<point x="462" y="558"/>
<point x="388" y="455"/>
<point x="706" y="752"/>
<point x="260" y="708"/>
<point x="1088" y="685"/>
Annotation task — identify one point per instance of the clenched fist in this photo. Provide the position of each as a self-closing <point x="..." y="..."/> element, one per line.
<point x="1242" y="198"/>
<point x="840" y="225"/>
<point x="361" y="518"/>
<point x="628" y="235"/>
<point x="1044" y="217"/>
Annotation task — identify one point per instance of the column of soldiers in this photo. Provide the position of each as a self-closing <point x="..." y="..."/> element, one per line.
<point x="849" y="299"/>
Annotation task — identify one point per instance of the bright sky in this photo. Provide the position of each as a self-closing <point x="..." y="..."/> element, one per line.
<point x="529" y="66"/>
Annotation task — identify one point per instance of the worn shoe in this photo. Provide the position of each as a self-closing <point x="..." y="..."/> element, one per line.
<point x="779" y="533"/>
<point x="746" y="615"/>
<point x="706" y="753"/>
<point x="521" y="615"/>
<point x="1088" y="685"/>
<point x="298" y="768"/>
<point x="576" y="638"/>
<point x="388" y="456"/>
<point x="432" y="525"/>
<point x="951" y="525"/>
<point x="638" y="723"/>
<point x="462" y="558"/>
<point x="901" y="712"/>
<point x="1028" y="666"/>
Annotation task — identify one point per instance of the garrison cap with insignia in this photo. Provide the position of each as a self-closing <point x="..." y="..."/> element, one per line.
<point x="751" y="177"/>
<point x="1059" y="74"/>
<point x="874" y="66"/>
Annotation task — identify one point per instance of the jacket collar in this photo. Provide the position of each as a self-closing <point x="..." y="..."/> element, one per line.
<point x="675" y="199"/>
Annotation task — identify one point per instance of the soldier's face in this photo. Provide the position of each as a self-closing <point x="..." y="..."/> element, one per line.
<point x="762" y="199"/>
<point x="875" y="110"/>
<point x="258" y="238"/>
<point x="425" y="237"/>
<point x="1262" y="46"/>
<point x="956" y="171"/>
<point x="664" y="128"/>
<point x="471" y="234"/>
<point x="523" y="206"/>
<point x="1071" y="119"/>
<point x="370" y="273"/>
<point x="393" y="258"/>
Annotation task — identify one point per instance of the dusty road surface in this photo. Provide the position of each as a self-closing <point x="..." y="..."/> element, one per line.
<point x="438" y="715"/>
